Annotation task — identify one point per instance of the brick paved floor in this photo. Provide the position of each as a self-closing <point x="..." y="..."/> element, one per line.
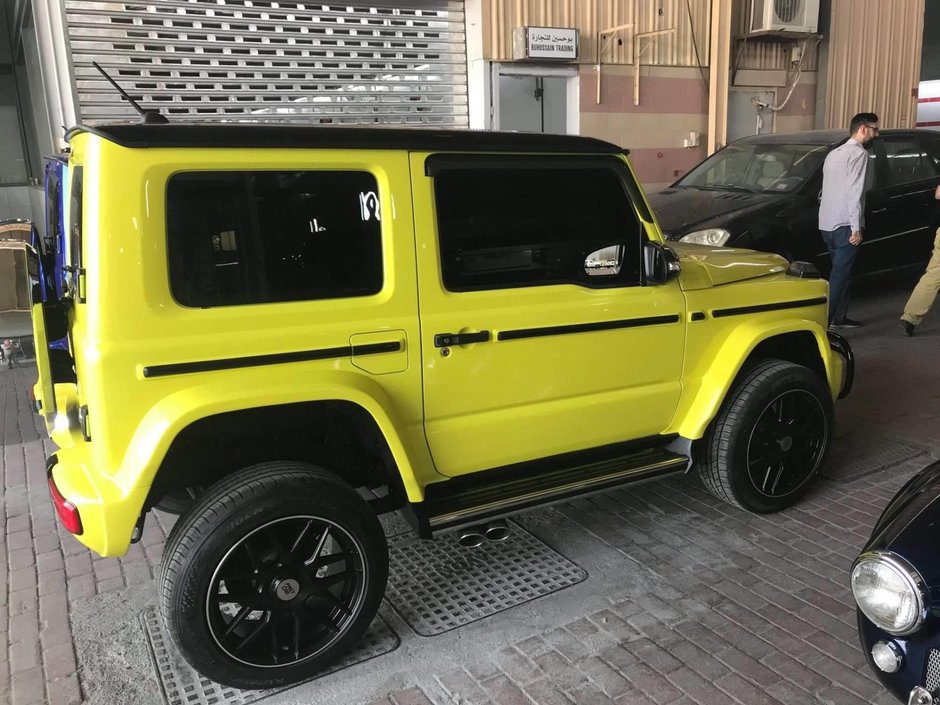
<point x="688" y="601"/>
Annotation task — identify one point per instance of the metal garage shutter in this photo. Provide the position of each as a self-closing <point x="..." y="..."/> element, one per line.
<point x="273" y="60"/>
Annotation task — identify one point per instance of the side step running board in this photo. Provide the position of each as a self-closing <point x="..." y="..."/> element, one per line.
<point x="453" y="508"/>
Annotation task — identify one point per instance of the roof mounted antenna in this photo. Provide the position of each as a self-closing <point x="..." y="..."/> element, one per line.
<point x="148" y="117"/>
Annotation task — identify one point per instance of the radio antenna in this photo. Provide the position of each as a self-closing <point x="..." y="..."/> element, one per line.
<point x="149" y="117"/>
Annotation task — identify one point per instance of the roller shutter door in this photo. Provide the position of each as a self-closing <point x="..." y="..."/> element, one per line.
<point x="269" y="60"/>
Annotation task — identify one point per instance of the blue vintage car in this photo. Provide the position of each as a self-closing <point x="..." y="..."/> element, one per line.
<point x="896" y="583"/>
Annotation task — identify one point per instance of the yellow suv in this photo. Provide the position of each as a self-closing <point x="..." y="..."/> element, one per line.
<point x="283" y="332"/>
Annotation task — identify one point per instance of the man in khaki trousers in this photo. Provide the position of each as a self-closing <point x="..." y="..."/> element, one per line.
<point x="925" y="293"/>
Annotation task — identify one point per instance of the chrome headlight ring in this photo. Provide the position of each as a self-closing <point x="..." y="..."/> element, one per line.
<point x="909" y="578"/>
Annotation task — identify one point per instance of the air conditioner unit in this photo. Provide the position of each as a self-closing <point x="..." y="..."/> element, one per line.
<point x="784" y="16"/>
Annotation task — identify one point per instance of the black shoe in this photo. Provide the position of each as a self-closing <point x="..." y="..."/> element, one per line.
<point x="847" y="323"/>
<point x="906" y="327"/>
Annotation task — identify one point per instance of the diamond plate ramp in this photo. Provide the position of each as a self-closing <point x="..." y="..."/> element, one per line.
<point x="438" y="586"/>
<point x="861" y="454"/>
<point x="181" y="685"/>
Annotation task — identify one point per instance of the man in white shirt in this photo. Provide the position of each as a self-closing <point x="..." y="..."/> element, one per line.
<point x="841" y="213"/>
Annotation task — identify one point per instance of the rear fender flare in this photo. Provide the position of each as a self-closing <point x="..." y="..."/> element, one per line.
<point x="171" y="415"/>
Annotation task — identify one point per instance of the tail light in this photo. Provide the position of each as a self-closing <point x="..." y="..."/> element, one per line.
<point x="68" y="512"/>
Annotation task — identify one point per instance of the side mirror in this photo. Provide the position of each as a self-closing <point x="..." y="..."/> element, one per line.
<point x="660" y="263"/>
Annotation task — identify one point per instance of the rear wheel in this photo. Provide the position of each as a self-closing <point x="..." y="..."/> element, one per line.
<point x="770" y="437"/>
<point x="272" y="575"/>
<point x="179" y="500"/>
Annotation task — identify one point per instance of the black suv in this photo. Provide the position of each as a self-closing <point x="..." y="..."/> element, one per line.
<point x="762" y="192"/>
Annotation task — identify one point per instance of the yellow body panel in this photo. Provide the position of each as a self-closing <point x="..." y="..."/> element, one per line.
<point x="130" y="321"/>
<point x="476" y="407"/>
<point x="718" y="347"/>
<point x="509" y="401"/>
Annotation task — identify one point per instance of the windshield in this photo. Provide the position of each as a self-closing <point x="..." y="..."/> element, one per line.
<point x="755" y="167"/>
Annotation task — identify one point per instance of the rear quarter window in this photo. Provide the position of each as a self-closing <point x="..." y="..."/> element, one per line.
<point x="251" y="237"/>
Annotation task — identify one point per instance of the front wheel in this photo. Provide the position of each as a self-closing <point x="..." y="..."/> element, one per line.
<point x="770" y="437"/>
<point x="273" y="574"/>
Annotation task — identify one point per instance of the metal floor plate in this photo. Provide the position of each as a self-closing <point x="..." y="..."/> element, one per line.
<point x="865" y="454"/>
<point x="181" y="685"/>
<point x="436" y="586"/>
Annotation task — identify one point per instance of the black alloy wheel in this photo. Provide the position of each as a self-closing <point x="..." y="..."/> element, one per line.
<point x="787" y="443"/>
<point x="286" y="591"/>
<point x="770" y="437"/>
<point x="272" y="575"/>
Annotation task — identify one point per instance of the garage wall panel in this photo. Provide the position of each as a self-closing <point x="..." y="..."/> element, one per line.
<point x="592" y="16"/>
<point x="355" y="62"/>
<point x="767" y="52"/>
<point x="874" y="61"/>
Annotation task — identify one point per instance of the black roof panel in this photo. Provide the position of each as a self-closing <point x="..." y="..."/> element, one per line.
<point x="139" y="135"/>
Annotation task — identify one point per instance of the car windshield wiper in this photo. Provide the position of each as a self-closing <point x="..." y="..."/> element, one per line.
<point x="718" y="187"/>
<point x="733" y="187"/>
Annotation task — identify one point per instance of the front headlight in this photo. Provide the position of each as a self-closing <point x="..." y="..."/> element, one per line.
<point x="890" y="592"/>
<point x="712" y="236"/>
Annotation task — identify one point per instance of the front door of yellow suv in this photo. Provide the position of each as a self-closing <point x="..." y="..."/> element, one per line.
<point x="538" y="334"/>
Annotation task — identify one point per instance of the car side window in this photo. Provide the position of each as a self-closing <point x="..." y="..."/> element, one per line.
<point x="932" y="145"/>
<point x="248" y="237"/>
<point x="906" y="161"/>
<point x="531" y="221"/>
<point x="76" y="199"/>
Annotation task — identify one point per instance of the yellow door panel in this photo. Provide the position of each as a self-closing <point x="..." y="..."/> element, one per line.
<point x="545" y="369"/>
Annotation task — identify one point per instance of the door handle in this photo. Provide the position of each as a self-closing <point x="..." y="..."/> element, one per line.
<point x="446" y="340"/>
<point x="880" y="210"/>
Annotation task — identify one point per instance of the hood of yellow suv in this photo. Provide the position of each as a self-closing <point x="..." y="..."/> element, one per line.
<point x="704" y="266"/>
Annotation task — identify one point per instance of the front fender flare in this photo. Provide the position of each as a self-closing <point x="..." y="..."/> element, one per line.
<point x="703" y="394"/>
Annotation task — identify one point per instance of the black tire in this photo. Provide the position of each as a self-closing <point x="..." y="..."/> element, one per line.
<point x="769" y="439"/>
<point x="178" y="501"/>
<point x="247" y="537"/>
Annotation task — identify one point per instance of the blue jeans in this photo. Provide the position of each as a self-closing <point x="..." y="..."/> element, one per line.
<point x="843" y="254"/>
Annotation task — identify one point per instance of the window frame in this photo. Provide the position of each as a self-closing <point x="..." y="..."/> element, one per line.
<point x="436" y="164"/>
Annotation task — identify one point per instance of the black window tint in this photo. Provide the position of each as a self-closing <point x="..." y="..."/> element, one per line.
<point x="75" y="232"/>
<point x="906" y="161"/>
<point x="266" y="236"/>
<point x="933" y="150"/>
<point x="529" y="226"/>
<point x="53" y="198"/>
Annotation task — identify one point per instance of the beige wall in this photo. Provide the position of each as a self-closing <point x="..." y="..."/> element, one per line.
<point x="874" y="60"/>
<point x="592" y="16"/>
<point x="673" y="103"/>
<point x="673" y="97"/>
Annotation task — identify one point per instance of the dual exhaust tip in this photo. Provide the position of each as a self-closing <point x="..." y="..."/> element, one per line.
<point x="474" y="536"/>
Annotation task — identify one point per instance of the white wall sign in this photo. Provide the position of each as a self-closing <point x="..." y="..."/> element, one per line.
<point x="545" y="43"/>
